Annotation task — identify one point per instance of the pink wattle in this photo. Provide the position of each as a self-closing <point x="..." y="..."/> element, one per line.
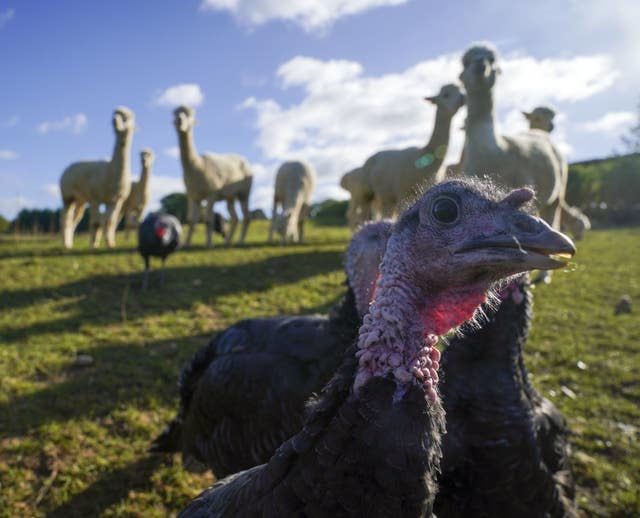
<point x="450" y="310"/>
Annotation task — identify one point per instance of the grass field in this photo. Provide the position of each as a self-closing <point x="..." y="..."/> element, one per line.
<point x="73" y="438"/>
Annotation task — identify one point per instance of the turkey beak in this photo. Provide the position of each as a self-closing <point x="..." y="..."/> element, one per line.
<point x="521" y="241"/>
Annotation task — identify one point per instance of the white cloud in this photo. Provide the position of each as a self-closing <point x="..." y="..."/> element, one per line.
<point x="52" y="190"/>
<point x="8" y="154"/>
<point x="74" y="123"/>
<point x="612" y="122"/>
<point x="6" y="16"/>
<point x="11" y="121"/>
<point x="309" y="14"/>
<point x="172" y="152"/>
<point x="11" y="205"/>
<point x="185" y="93"/>
<point x="346" y="115"/>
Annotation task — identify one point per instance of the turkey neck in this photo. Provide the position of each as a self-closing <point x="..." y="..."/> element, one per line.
<point x="188" y="154"/>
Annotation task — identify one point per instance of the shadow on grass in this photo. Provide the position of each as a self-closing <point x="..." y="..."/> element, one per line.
<point x="119" y="377"/>
<point x="110" y="488"/>
<point x="102" y="299"/>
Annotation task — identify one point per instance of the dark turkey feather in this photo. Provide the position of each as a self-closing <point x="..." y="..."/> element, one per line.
<point x="244" y="393"/>
<point x="506" y="451"/>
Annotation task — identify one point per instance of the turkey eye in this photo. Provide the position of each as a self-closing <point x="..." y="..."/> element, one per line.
<point x="445" y="210"/>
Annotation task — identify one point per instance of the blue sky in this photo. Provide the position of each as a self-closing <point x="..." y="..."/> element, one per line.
<point x="331" y="81"/>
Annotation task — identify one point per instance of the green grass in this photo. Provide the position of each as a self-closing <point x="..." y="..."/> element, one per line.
<point x="73" y="439"/>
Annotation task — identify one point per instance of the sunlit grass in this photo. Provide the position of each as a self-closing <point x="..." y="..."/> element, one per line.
<point x="73" y="439"/>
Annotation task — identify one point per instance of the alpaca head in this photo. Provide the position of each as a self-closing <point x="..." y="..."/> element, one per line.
<point x="123" y="120"/>
<point x="147" y="158"/>
<point x="468" y="234"/>
<point x="184" y="118"/>
<point x="541" y="118"/>
<point x="479" y="67"/>
<point x="286" y="224"/>
<point x="450" y="98"/>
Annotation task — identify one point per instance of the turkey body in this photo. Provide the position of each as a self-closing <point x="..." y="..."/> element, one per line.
<point x="366" y="456"/>
<point x="244" y="393"/>
<point x="506" y="451"/>
<point x="158" y="236"/>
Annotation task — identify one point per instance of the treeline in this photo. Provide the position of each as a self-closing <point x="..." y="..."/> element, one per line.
<point x="607" y="190"/>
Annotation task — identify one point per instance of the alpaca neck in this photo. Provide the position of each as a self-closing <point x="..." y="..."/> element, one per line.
<point x="399" y="334"/>
<point x="439" y="140"/>
<point x="120" y="160"/>
<point x="480" y="124"/>
<point x="188" y="154"/>
<point x="144" y="178"/>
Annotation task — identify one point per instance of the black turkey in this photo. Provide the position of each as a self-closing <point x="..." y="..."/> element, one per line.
<point x="505" y="452"/>
<point x="244" y="393"/>
<point x="158" y="236"/>
<point x="370" y="445"/>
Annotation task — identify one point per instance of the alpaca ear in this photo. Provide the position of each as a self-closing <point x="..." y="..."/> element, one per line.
<point x="527" y="115"/>
<point x="432" y="99"/>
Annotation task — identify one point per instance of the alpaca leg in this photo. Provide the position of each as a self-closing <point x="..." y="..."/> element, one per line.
<point x="274" y="215"/>
<point x="388" y="208"/>
<point x="66" y="224"/>
<point x="192" y="217"/>
<point x="112" y="217"/>
<point x="304" y="213"/>
<point x="209" y="216"/>
<point x="233" y="220"/>
<point x="246" y="216"/>
<point x="95" y="226"/>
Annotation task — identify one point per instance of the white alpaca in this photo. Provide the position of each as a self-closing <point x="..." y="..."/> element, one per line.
<point x="295" y="182"/>
<point x="526" y="159"/>
<point x="540" y="118"/>
<point x="211" y="177"/>
<point x="395" y="174"/>
<point x="573" y="219"/>
<point x="134" y="206"/>
<point x="359" y="210"/>
<point x="99" y="182"/>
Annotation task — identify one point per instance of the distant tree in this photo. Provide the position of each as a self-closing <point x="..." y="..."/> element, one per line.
<point x="330" y="212"/>
<point x="176" y="204"/>
<point x="4" y="224"/>
<point x="631" y="140"/>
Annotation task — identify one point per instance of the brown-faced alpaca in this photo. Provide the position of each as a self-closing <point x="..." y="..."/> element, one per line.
<point x="573" y="219"/>
<point x="540" y="118"/>
<point x="370" y="445"/>
<point x="211" y="177"/>
<point x="135" y="205"/>
<point x="526" y="159"/>
<point x="99" y="182"/>
<point x="394" y="174"/>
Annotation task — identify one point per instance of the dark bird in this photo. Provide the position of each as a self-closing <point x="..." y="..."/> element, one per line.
<point x="623" y="305"/>
<point x="158" y="236"/>
<point x="506" y="452"/>
<point x="370" y="444"/>
<point x="244" y="393"/>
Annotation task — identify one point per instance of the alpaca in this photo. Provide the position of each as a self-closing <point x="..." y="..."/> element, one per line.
<point x="99" y="182"/>
<point x="573" y="219"/>
<point x="395" y="174"/>
<point x="211" y="177"/>
<point x="359" y="210"/>
<point x="295" y="182"/>
<point x="527" y="159"/>
<point x="133" y="208"/>
<point x="541" y="118"/>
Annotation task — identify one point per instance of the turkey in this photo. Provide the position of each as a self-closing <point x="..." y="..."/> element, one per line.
<point x="244" y="393"/>
<point x="506" y="451"/>
<point x="158" y="236"/>
<point x="370" y="444"/>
